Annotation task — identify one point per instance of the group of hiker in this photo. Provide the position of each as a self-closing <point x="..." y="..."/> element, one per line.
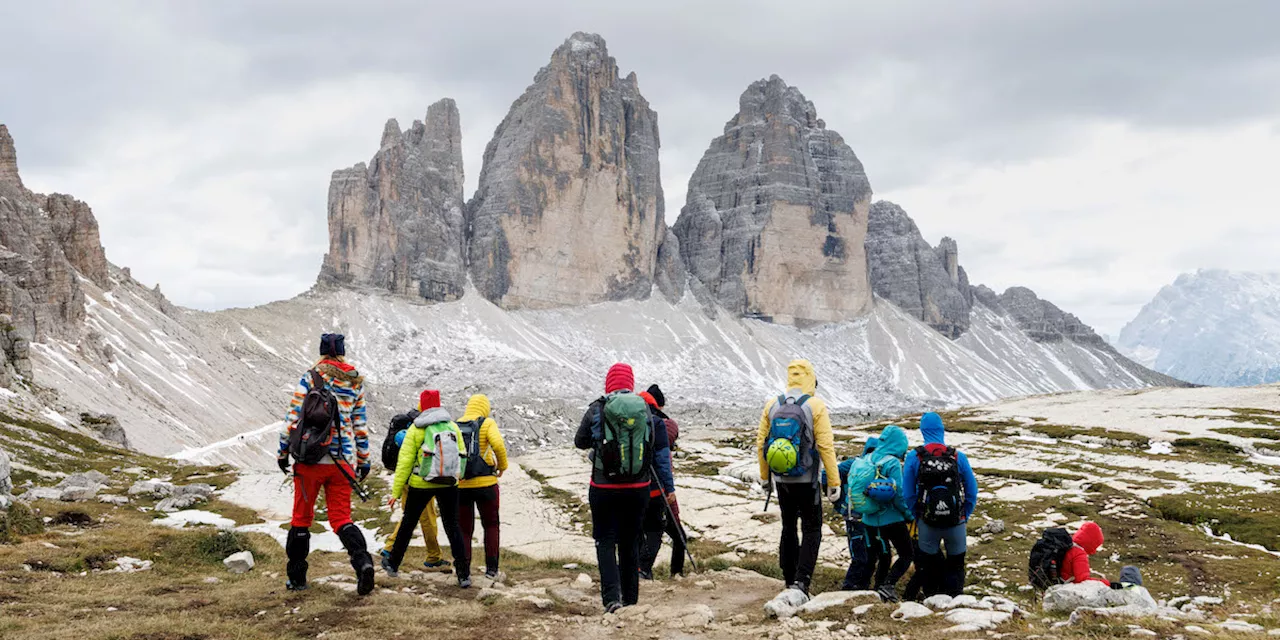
<point x="902" y="506"/>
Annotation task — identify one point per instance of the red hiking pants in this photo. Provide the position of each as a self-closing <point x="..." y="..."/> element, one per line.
<point x="308" y="480"/>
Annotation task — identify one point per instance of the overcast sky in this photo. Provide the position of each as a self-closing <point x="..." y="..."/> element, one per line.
<point x="1091" y="150"/>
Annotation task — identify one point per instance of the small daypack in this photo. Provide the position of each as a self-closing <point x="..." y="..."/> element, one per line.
<point x="1044" y="569"/>
<point x="391" y="450"/>
<point x="624" y="438"/>
<point x="939" y="487"/>
<point x="789" y="447"/>
<point x="318" y="422"/>
<point x="869" y="490"/>
<point x="477" y="466"/>
<point x="442" y="458"/>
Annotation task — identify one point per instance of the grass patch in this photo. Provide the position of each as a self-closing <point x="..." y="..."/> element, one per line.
<point x="1208" y="446"/>
<point x="1064" y="432"/>
<point x="1247" y="517"/>
<point x="1262" y="433"/>
<point x="18" y="521"/>
<point x="1047" y="478"/>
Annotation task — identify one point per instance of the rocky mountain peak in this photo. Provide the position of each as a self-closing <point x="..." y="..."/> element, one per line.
<point x="397" y="223"/>
<point x="776" y="214"/>
<point x="8" y="160"/>
<point x="926" y="282"/>
<point x="569" y="209"/>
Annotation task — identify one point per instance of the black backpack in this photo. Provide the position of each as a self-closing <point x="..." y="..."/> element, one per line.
<point x="1047" y="555"/>
<point x="391" y="450"/>
<point x="477" y="466"/>
<point x="939" y="487"/>
<point x="317" y="423"/>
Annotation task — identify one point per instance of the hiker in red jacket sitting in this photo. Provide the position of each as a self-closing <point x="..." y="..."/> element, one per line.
<point x="1075" y="565"/>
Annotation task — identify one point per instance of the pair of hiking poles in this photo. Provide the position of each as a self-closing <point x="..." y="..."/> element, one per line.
<point x="684" y="538"/>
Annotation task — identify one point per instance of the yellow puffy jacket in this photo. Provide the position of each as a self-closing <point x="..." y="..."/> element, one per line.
<point x="492" y="448"/>
<point x="800" y="376"/>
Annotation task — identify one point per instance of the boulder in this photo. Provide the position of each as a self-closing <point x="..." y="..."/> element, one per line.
<point x="824" y="601"/>
<point x="977" y="618"/>
<point x="925" y="282"/>
<point x="697" y="616"/>
<point x="992" y="527"/>
<point x="911" y="611"/>
<point x="125" y="564"/>
<point x="938" y="602"/>
<point x="1240" y="626"/>
<point x="151" y="489"/>
<point x="6" y="471"/>
<point x="87" y="479"/>
<point x="198" y="490"/>
<point x="241" y="562"/>
<point x="178" y="503"/>
<point x="41" y="493"/>
<point x="785" y="604"/>
<point x="1066" y="598"/>
<point x="775" y="218"/>
<point x="569" y="209"/>
<point x="107" y="498"/>
<point x="79" y="494"/>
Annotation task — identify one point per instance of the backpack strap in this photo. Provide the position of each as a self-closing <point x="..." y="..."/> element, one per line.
<point x="317" y="380"/>
<point x="803" y="399"/>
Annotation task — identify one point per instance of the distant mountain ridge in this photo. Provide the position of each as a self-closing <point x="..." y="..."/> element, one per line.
<point x="1211" y="327"/>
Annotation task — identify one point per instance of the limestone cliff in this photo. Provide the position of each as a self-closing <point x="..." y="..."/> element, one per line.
<point x="926" y="282"/>
<point x="46" y="244"/>
<point x="397" y="223"/>
<point x="569" y="208"/>
<point x="1040" y="319"/>
<point x="776" y="214"/>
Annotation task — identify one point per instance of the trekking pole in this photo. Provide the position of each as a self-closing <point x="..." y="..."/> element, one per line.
<point x="768" y="494"/>
<point x="351" y="478"/>
<point x="684" y="538"/>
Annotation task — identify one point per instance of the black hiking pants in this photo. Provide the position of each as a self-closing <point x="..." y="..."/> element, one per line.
<point x="656" y="522"/>
<point x="893" y="538"/>
<point x="415" y="502"/>
<point x="617" y="517"/>
<point x="801" y="504"/>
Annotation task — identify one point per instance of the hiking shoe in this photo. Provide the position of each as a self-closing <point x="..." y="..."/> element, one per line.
<point x="364" y="580"/>
<point x="386" y="566"/>
<point x="464" y="583"/>
<point x="612" y="607"/>
<point x="887" y="593"/>
<point x="440" y="566"/>
<point x="295" y="587"/>
<point x="802" y="587"/>
<point x="646" y="575"/>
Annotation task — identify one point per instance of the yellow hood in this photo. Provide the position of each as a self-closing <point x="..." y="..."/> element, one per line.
<point x="800" y="376"/>
<point x="477" y="407"/>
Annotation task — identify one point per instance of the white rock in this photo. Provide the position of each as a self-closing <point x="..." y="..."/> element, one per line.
<point x="107" y="498"/>
<point x="938" y="602"/>
<point x="537" y="602"/>
<point x="911" y="610"/>
<point x="239" y="562"/>
<point x="125" y="564"/>
<point x="152" y="488"/>
<point x="571" y="566"/>
<point x="862" y="609"/>
<point x="212" y="580"/>
<point x="978" y="618"/>
<point x="961" y="601"/>
<point x="1240" y="626"/>
<point x="41" y="493"/>
<point x="198" y="489"/>
<point x="178" y="503"/>
<point x="1179" y="601"/>
<point x="824" y="601"/>
<point x="1066" y="598"/>
<point x="785" y="604"/>
<point x="583" y="581"/>
<point x="1207" y="601"/>
<point x="79" y="493"/>
<point x="963" y="628"/>
<point x="1191" y="628"/>
<point x="88" y="479"/>
<point x="1143" y="633"/>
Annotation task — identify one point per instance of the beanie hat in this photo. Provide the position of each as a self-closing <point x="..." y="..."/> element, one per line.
<point x="619" y="378"/>
<point x="429" y="399"/>
<point x="654" y="391"/>
<point x="331" y="344"/>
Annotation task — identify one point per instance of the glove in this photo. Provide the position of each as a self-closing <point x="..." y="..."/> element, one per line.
<point x="764" y="483"/>
<point x="1117" y="585"/>
<point x="833" y="494"/>
<point x="283" y="463"/>
<point x="362" y="472"/>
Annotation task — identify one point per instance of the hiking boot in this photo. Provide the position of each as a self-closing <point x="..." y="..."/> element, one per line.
<point x="386" y="567"/>
<point x="646" y="575"/>
<point x="802" y="587"/>
<point x="296" y="547"/>
<point x="439" y="566"/>
<point x="887" y="593"/>
<point x="612" y="607"/>
<point x="289" y="584"/>
<point x="464" y="583"/>
<point x="364" y="579"/>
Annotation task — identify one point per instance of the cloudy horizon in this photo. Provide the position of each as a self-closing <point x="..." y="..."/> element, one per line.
<point x="1090" y="151"/>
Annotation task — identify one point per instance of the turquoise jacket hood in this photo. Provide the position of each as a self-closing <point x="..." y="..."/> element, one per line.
<point x="893" y="442"/>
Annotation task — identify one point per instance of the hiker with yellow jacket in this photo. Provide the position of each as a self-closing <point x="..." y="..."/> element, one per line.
<point x="423" y="473"/>
<point x="794" y="445"/>
<point x="478" y="491"/>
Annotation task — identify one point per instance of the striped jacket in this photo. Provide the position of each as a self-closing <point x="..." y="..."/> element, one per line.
<point x="352" y="443"/>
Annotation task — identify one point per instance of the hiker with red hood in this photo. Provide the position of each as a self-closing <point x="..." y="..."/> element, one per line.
<point x="324" y="433"/>
<point x="1075" y="565"/>
<point x="628" y="446"/>
<point x="656" y="519"/>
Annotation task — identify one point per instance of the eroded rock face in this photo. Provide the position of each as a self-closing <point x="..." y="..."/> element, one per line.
<point x="925" y="282"/>
<point x="1042" y="320"/>
<point x="776" y="214"/>
<point x="397" y="223"/>
<point x="569" y="209"/>
<point x="46" y="243"/>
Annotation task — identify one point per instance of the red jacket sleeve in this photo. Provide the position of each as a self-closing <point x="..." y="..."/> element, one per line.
<point x="1076" y="568"/>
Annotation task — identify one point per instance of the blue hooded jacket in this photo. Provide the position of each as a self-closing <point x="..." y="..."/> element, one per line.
<point x="842" y="505"/>
<point x="888" y="457"/>
<point x="934" y="433"/>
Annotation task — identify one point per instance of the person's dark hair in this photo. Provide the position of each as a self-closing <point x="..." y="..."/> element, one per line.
<point x="657" y="395"/>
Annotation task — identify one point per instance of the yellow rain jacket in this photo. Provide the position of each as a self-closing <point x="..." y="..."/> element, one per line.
<point x="800" y="376"/>
<point x="492" y="448"/>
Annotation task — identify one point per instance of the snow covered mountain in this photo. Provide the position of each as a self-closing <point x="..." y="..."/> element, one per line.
<point x="1211" y="327"/>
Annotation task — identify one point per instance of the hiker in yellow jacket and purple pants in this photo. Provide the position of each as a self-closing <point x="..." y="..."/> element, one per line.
<point x="479" y="492"/>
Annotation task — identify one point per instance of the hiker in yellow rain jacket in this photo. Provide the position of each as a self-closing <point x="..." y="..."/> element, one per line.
<point x="479" y="491"/>
<point x="794" y="445"/>
<point x="417" y="491"/>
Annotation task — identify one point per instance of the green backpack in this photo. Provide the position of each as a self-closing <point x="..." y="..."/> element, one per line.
<point x="442" y="458"/>
<point x="623" y="447"/>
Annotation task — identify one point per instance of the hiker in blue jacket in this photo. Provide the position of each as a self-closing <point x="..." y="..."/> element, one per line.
<point x="942" y="492"/>
<point x="858" y="577"/>
<point x="887" y="530"/>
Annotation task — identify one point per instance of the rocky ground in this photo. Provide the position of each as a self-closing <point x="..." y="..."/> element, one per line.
<point x="1188" y="497"/>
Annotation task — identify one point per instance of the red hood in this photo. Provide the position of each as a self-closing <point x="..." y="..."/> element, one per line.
<point x="1089" y="537"/>
<point x="648" y="398"/>
<point x="341" y="365"/>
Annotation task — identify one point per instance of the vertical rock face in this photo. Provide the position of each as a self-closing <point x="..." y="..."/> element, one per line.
<point x="776" y="214"/>
<point x="46" y="244"/>
<point x="397" y="224"/>
<point x="926" y="282"/>
<point x="569" y="209"/>
<point x="1040" y="319"/>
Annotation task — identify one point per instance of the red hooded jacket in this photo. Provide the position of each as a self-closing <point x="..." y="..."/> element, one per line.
<point x="1075" y="566"/>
